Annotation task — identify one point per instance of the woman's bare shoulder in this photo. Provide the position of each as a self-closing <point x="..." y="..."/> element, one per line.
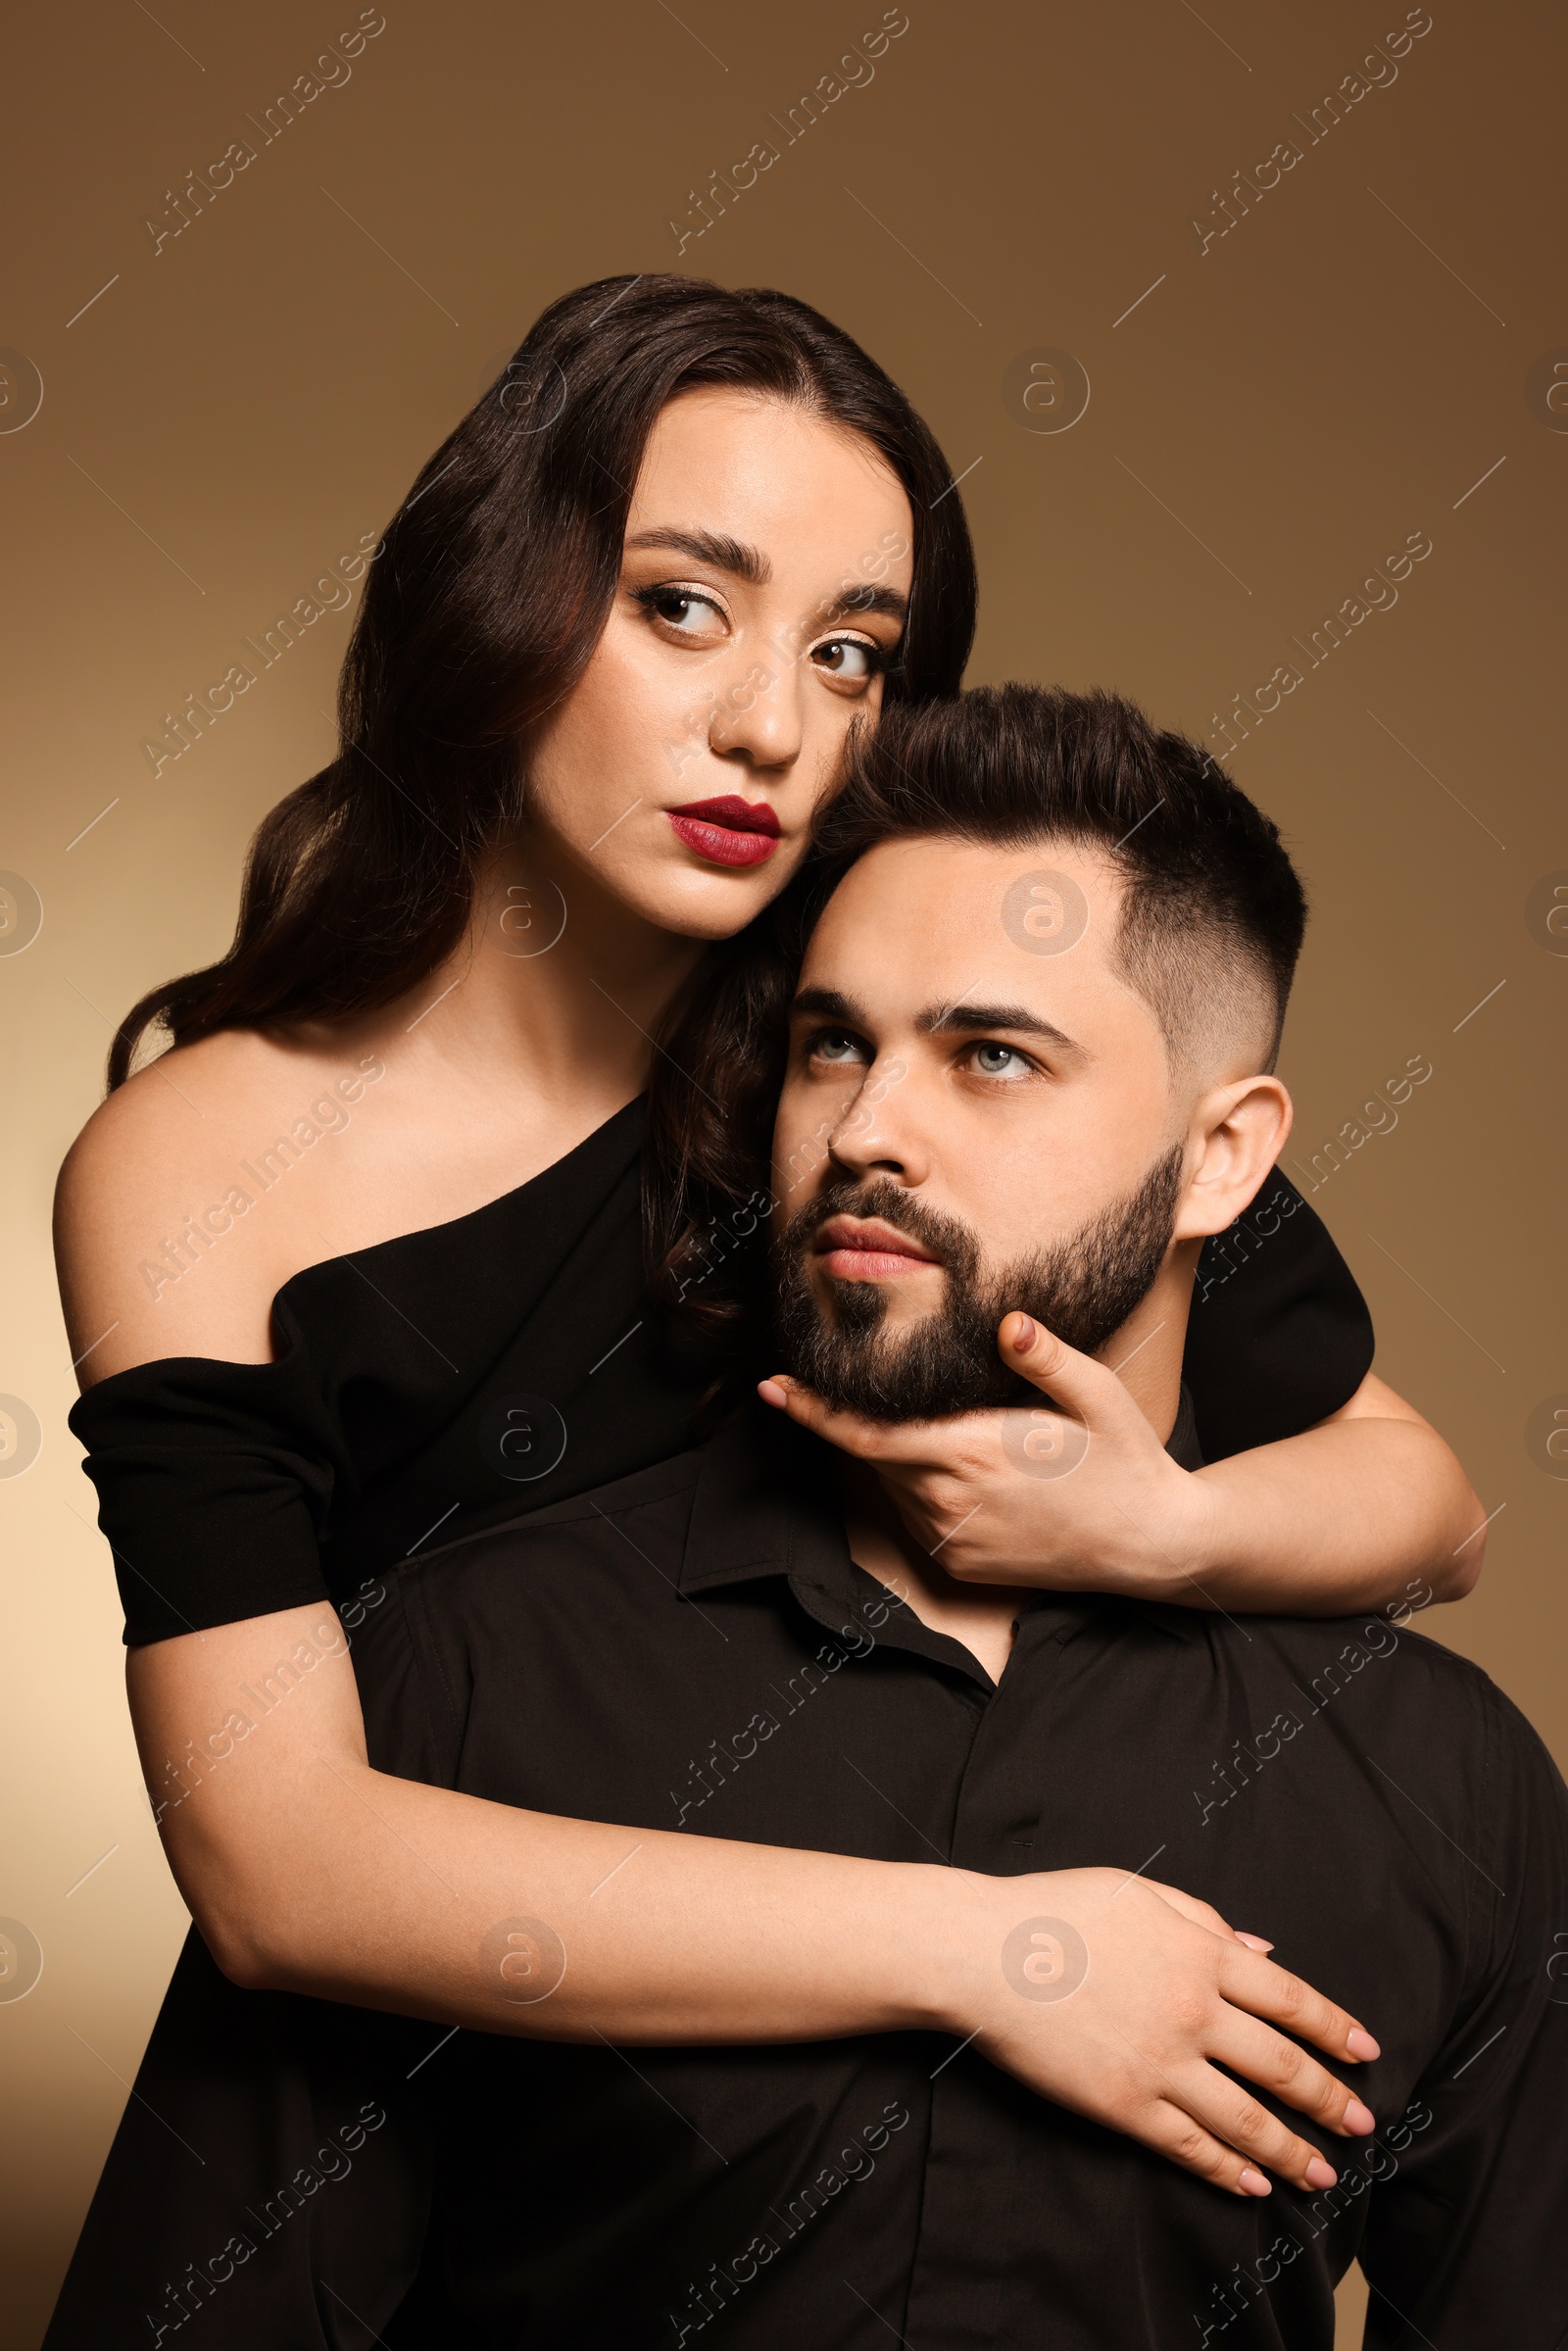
<point x="156" y="1251"/>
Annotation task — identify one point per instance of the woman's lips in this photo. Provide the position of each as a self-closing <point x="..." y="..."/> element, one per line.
<point x="860" y="1250"/>
<point x="728" y="831"/>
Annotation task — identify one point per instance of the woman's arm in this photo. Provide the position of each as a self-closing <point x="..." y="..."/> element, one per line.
<point x="308" y="1871"/>
<point x="1370" y="1510"/>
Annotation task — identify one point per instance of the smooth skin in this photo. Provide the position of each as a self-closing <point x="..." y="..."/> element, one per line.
<point x="303" y="1868"/>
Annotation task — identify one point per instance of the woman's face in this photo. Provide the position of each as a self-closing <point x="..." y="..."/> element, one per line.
<point x="762" y="590"/>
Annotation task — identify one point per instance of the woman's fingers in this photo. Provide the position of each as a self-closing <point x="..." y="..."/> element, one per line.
<point x="1203" y="1914"/>
<point x="1242" y="2124"/>
<point x="1250" y="1982"/>
<point x="1173" y="2133"/>
<point x="867" y="1439"/>
<point x="1266" y="2059"/>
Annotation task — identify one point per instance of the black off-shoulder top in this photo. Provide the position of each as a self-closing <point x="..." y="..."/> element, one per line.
<point x="441" y="1382"/>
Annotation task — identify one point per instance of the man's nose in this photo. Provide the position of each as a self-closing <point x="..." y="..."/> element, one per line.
<point x="879" y="1131"/>
<point x="756" y="717"/>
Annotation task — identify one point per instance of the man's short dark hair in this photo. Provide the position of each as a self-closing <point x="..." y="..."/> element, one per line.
<point x="1205" y="878"/>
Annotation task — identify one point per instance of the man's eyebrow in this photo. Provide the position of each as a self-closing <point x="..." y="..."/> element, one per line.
<point x="711" y="547"/>
<point x="826" y="1003"/>
<point x="963" y="1018"/>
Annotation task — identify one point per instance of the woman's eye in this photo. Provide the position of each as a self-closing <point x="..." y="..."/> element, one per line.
<point x="999" y="1061"/>
<point x="681" y="608"/>
<point x="836" y="1044"/>
<point x="848" y="657"/>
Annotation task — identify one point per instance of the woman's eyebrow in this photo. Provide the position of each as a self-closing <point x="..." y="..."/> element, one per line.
<point x="711" y="547"/>
<point x="851" y="602"/>
<point x="749" y="563"/>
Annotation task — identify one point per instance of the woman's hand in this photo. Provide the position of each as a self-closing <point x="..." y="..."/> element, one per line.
<point x="1120" y="1998"/>
<point x="1370" y="1510"/>
<point x="1076" y="1493"/>
<point x="308" y="1871"/>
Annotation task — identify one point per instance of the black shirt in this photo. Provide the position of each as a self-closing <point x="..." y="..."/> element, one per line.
<point x="694" y="1649"/>
<point x="441" y="1381"/>
<point x="386" y="1426"/>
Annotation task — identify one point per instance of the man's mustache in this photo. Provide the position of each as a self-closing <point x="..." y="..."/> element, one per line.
<point x="943" y="1237"/>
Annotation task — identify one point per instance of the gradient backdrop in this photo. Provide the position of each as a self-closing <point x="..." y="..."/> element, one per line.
<point x="1312" y="336"/>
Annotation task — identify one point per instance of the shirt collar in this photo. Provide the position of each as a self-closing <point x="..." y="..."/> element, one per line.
<point x="765" y="1505"/>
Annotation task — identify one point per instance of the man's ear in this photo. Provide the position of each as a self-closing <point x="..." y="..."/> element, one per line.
<point x="1237" y="1134"/>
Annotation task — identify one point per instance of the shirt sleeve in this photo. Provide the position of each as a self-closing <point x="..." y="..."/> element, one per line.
<point x="212" y="1488"/>
<point x="1463" y="2244"/>
<point x="1278" y="1335"/>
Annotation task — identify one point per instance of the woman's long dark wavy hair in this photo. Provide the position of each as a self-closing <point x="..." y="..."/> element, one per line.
<point x="480" y="611"/>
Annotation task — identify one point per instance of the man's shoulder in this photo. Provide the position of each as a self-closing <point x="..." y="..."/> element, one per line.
<point x="1411" y="1687"/>
<point x="1352" y="1644"/>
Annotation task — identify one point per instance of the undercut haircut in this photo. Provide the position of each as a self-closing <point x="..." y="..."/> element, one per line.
<point x="1209" y="928"/>
<point x="1211" y="913"/>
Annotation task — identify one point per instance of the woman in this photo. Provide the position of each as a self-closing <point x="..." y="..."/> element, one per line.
<point x="370" y="1243"/>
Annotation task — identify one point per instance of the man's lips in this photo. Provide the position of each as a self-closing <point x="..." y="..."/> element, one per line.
<point x="862" y="1248"/>
<point x="728" y="830"/>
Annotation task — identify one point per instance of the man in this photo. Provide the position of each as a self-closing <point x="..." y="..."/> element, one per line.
<point x="1037" y="1116"/>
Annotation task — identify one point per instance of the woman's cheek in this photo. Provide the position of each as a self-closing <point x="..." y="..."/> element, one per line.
<point x="867" y="708"/>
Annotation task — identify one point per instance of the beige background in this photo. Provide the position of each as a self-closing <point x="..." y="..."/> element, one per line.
<point x="231" y="411"/>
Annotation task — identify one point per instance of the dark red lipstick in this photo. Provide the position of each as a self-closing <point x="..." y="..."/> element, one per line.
<point x="728" y="830"/>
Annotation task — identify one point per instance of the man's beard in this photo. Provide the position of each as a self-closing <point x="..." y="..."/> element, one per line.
<point x="1082" y="1289"/>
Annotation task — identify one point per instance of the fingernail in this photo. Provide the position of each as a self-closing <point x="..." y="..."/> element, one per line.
<point x="1253" y="2183"/>
<point x="1254" y="1943"/>
<point x="1361" y="2044"/>
<point x="1025" y="1333"/>
<point x="772" y="1393"/>
<point x="1359" y="2118"/>
<point x="1318" y="2174"/>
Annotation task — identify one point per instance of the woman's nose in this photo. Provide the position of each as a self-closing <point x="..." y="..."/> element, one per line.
<point x="758" y="717"/>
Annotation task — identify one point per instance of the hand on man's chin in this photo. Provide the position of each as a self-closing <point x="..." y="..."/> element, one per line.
<point x="1072" y="1491"/>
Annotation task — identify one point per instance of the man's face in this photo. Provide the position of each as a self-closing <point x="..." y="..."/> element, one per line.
<point x="978" y="1115"/>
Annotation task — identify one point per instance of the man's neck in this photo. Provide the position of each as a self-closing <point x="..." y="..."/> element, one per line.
<point x="982" y="1616"/>
<point x="1146" y="1354"/>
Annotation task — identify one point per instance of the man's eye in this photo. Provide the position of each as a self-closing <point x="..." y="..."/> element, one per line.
<point x="681" y="608"/>
<point x="999" y="1061"/>
<point x="848" y="657"/>
<point x="836" y="1044"/>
